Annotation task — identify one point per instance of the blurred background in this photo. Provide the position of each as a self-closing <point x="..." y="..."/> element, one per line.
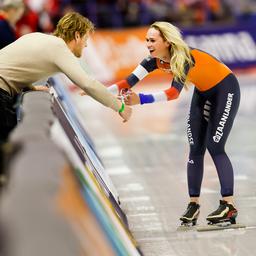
<point x="42" y="15"/>
<point x="224" y="28"/>
<point x="146" y="157"/>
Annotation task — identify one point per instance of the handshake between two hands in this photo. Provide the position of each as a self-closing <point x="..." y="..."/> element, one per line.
<point x="129" y="98"/>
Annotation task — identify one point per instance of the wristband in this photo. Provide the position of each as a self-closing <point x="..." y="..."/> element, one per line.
<point x="122" y="108"/>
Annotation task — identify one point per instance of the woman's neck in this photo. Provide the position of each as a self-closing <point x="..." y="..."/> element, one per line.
<point x="165" y="59"/>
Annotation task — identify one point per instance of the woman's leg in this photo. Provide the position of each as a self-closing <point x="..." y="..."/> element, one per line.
<point x="196" y="132"/>
<point x="225" y="105"/>
<point x="226" y="102"/>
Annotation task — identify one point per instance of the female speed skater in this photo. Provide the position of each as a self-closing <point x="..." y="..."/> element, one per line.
<point x="213" y="109"/>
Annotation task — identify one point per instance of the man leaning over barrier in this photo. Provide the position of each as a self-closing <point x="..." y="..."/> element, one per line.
<point x="36" y="56"/>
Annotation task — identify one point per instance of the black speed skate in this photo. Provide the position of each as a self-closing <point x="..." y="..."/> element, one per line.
<point x="226" y="213"/>
<point x="190" y="216"/>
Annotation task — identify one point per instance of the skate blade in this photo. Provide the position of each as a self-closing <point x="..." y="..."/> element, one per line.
<point x="186" y="227"/>
<point x="213" y="227"/>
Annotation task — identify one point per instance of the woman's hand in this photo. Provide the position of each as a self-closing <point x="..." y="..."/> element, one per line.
<point x="130" y="97"/>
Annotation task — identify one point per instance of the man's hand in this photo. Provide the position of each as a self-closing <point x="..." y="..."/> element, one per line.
<point x="82" y="93"/>
<point x="126" y="114"/>
<point x="41" y="88"/>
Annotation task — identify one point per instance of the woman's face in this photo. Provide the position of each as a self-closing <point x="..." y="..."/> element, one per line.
<point x="157" y="46"/>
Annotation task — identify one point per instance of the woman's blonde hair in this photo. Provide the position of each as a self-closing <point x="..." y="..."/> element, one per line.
<point x="70" y="23"/>
<point x="179" y="50"/>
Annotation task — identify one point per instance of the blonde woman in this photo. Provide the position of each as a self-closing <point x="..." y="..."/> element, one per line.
<point x="213" y="109"/>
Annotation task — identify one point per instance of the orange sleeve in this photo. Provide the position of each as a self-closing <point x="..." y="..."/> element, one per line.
<point x="123" y="85"/>
<point x="172" y="93"/>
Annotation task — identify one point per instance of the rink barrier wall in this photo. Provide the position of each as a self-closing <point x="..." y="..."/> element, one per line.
<point x="98" y="189"/>
<point x="53" y="203"/>
<point x="29" y="222"/>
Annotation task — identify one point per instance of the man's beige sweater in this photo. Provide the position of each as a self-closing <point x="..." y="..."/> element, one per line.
<point x="38" y="56"/>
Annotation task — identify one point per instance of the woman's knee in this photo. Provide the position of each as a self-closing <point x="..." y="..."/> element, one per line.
<point x="215" y="149"/>
<point x="197" y="151"/>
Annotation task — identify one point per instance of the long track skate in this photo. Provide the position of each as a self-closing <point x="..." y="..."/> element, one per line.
<point x="189" y="218"/>
<point x="223" y="224"/>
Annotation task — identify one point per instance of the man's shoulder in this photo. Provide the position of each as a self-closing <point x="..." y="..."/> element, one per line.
<point x="42" y="36"/>
<point x="38" y="38"/>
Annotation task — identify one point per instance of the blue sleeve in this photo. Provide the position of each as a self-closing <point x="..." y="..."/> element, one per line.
<point x="146" y="98"/>
<point x="179" y="84"/>
<point x="149" y="64"/>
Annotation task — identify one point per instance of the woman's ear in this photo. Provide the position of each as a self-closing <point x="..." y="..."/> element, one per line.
<point x="168" y="45"/>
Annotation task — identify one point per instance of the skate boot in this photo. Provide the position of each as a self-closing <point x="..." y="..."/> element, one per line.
<point x="226" y="213"/>
<point x="191" y="214"/>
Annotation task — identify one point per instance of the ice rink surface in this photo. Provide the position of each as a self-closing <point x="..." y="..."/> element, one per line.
<point x="146" y="160"/>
